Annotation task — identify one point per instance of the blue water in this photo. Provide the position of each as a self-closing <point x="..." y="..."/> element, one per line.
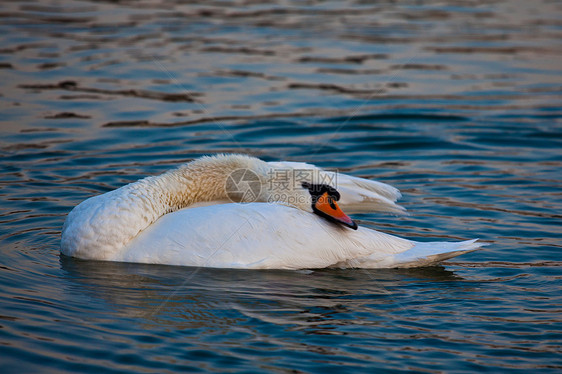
<point x="458" y="104"/>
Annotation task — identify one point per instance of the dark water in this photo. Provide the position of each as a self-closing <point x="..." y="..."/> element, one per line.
<point x="458" y="104"/>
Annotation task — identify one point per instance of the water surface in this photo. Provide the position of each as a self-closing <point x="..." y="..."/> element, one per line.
<point x="457" y="104"/>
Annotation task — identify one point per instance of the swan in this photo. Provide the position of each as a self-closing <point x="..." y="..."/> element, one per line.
<point x="237" y="211"/>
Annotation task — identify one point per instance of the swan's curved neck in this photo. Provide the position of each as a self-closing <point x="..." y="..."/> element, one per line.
<point x="197" y="181"/>
<point x="201" y="180"/>
<point x="106" y="223"/>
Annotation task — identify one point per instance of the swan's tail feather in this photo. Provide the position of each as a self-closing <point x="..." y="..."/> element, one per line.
<point x="419" y="254"/>
<point x="429" y="253"/>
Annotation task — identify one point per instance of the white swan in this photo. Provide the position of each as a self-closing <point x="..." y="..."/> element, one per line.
<point x="288" y="219"/>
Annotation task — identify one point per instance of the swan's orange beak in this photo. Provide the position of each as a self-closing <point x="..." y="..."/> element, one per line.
<point x="326" y="205"/>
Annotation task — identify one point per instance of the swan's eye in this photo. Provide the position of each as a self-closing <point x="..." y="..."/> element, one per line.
<point x="318" y="190"/>
<point x="331" y="202"/>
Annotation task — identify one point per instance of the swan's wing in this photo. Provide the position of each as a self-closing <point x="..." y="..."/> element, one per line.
<point x="271" y="236"/>
<point x="358" y="195"/>
<point x="254" y="236"/>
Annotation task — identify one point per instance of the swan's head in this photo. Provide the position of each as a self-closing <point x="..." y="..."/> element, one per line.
<point x="324" y="204"/>
<point x="308" y="191"/>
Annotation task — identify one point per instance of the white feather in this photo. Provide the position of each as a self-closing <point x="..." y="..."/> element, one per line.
<point x="256" y="236"/>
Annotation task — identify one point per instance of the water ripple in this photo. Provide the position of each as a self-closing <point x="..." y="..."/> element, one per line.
<point x="456" y="104"/>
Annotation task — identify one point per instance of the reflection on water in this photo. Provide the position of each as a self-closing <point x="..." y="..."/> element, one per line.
<point x="290" y="317"/>
<point x="162" y="289"/>
<point x="456" y="103"/>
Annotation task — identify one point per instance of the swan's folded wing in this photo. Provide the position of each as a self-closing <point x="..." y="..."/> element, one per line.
<point x="249" y="236"/>
<point x="358" y="195"/>
<point x="362" y="196"/>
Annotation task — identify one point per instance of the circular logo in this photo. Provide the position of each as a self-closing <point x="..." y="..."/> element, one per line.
<point x="243" y="186"/>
